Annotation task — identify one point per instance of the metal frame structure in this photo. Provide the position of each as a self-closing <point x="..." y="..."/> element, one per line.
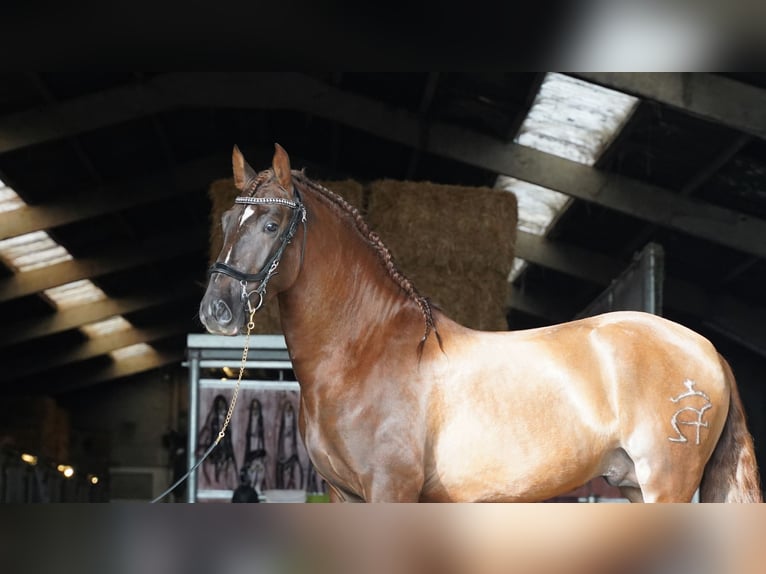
<point x="216" y="351"/>
<point x="638" y="288"/>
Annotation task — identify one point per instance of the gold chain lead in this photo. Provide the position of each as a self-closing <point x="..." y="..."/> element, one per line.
<point x="250" y="326"/>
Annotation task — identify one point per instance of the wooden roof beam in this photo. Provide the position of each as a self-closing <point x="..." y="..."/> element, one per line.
<point x="306" y="94"/>
<point x="738" y="321"/>
<point x="92" y="348"/>
<point x="708" y="96"/>
<point x="537" y="306"/>
<point x="124" y="368"/>
<point x="118" y="259"/>
<point x="87" y="377"/>
<point x="67" y="319"/>
<point x="635" y="198"/>
<point x="188" y="178"/>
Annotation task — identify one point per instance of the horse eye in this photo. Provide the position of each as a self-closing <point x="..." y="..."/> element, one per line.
<point x="271" y="227"/>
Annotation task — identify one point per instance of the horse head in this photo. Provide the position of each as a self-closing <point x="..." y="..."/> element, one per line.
<point x="257" y="230"/>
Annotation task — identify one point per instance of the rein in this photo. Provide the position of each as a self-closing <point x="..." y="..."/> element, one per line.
<point x="268" y="270"/>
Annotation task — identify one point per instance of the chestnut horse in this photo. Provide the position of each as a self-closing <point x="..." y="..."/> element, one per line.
<point x="400" y="403"/>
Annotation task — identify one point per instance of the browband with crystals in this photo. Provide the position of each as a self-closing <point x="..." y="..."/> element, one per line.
<point x="260" y="200"/>
<point x="270" y="267"/>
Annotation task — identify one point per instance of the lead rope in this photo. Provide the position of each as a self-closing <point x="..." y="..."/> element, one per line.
<point x="222" y="432"/>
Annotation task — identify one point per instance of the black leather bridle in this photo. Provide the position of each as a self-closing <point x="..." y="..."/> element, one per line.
<point x="270" y="266"/>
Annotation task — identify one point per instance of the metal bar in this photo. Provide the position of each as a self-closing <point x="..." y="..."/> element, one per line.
<point x="205" y="341"/>
<point x="251" y="385"/>
<point x="191" y="489"/>
<point x="208" y="364"/>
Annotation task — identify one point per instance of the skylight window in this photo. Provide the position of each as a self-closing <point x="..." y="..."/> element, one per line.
<point x="136" y="350"/>
<point x="538" y="206"/>
<point x="9" y="199"/>
<point x="32" y="251"/>
<point x="516" y="268"/>
<point x="574" y="119"/>
<point x="106" y="327"/>
<point x="75" y="293"/>
<point x="37" y="250"/>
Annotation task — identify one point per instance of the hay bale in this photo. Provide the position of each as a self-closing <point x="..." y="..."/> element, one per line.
<point x="456" y="244"/>
<point x="472" y="300"/>
<point x="460" y="229"/>
<point x="350" y="190"/>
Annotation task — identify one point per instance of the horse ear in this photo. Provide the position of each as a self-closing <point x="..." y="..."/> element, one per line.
<point x="243" y="173"/>
<point x="281" y="166"/>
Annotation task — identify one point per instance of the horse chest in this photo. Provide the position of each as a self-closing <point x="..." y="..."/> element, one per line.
<point x="325" y="442"/>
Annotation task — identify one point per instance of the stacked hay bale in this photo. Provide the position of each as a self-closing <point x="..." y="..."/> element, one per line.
<point x="456" y="244"/>
<point x="222" y="193"/>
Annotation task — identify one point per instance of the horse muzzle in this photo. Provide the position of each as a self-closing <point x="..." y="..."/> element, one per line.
<point x="218" y="317"/>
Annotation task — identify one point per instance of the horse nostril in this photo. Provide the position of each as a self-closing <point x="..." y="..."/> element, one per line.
<point x="221" y="312"/>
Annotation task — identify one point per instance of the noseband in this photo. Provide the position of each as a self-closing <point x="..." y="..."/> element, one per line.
<point x="269" y="268"/>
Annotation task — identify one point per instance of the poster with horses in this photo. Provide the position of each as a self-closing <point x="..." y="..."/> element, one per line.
<point x="261" y="450"/>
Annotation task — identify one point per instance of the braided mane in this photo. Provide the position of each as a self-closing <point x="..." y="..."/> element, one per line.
<point x="384" y="255"/>
<point x="252" y="185"/>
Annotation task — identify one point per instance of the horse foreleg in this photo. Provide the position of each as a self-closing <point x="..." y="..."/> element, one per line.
<point x="335" y="496"/>
<point x="375" y="495"/>
<point x="632" y="493"/>
<point x="390" y="486"/>
<point x="394" y="495"/>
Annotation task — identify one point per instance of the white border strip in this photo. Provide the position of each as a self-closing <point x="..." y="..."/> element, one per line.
<point x="251" y="385"/>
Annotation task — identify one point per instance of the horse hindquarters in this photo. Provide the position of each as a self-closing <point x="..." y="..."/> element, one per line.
<point x="731" y="474"/>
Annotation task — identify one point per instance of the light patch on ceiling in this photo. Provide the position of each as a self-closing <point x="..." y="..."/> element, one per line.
<point x="106" y="327"/>
<point x="9" y="199"/>
<point x="32" y="251"/>
<point x="537" y="206"/>
<point x="518" y="266"/>
<point x="75" y="293"/>
<point x="37" y="250"/>
<point x="574" y="119"/>
<point x="132" y="351"/>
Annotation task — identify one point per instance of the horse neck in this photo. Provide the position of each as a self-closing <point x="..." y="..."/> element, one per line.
<point x="343" y="296"/>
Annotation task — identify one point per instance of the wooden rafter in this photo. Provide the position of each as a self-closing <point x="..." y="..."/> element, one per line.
<point x="306" y="94"/>
<point x="708" y="96"/>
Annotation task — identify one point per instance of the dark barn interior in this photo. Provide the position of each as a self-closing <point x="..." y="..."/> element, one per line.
<point x="115" y="169"/>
